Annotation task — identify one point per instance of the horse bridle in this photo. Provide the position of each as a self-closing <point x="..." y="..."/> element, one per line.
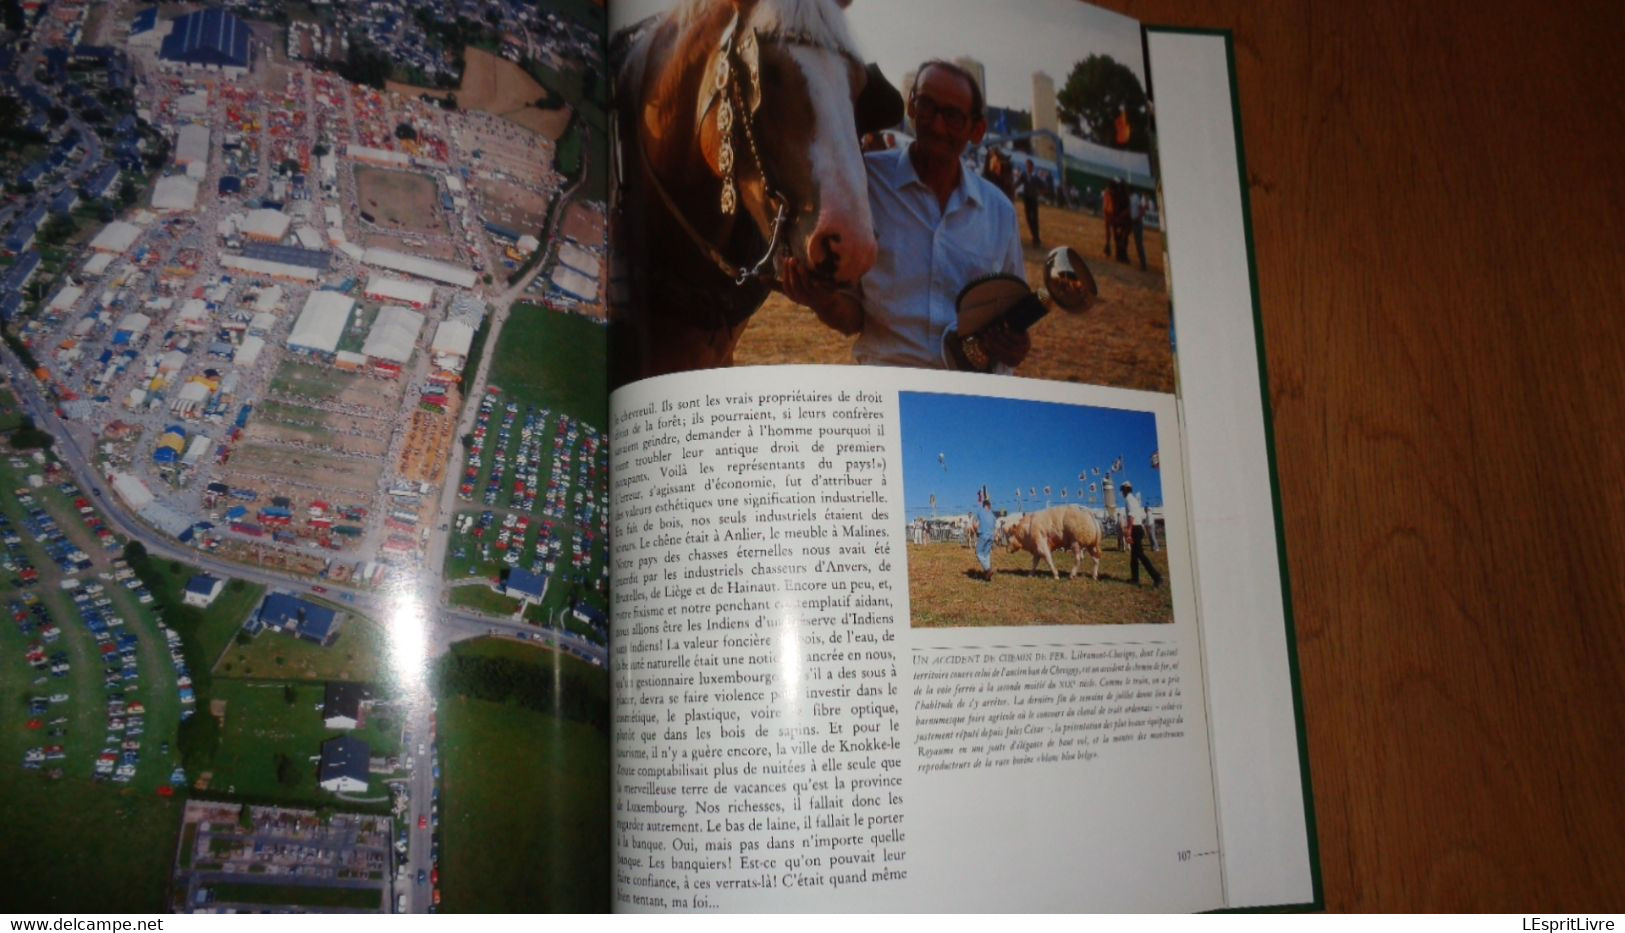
<point x="739" y="51"/>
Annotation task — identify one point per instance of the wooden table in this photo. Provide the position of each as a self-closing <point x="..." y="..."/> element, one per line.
<point x="1438" y="199"/>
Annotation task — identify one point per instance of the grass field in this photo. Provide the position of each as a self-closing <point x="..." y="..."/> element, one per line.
<point x="482" y="598"/>
<point x="942" y="591"/>
<point x="261" y="723"/>
<point x="297" y="896"/>
<point x="546" y="357"/>
<point x="121" y="836"/>
<point x="223" y="618"/>
<point x="1124" y="340"/>
<point x="525" y="818"/>
<point x="79" y="847"/>
<point x="11" y="414"/>
<point x="359" y="652"/>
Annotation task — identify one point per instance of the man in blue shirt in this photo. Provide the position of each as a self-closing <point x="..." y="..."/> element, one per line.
<point x="985" y="526"/>
<point x="938" y="227"/>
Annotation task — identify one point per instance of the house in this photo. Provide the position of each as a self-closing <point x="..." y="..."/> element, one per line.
<point x="202" y="590"/>
<point x="522" y="584"/>
<point x="344" y="705"/>
<point x="344" y="765"/>
<point x="295" y="616"/>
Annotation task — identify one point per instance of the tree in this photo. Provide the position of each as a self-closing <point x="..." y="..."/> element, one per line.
<point x="1097" y="90"/>
<point x="127" y="192"/>
<point x="58" y="229"/>
<point x="287" y="773"/>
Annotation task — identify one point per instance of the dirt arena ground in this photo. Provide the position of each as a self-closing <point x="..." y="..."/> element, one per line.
<point x="399" y="200"/>
<point x="1122" y="341"/>
<point x="512" y="206"/>
<point x="942" y="592"/>
<point x="346" y="478"/>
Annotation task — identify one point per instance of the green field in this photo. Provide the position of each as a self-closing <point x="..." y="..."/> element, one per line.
<point x="120" y="837"/>
<point x="526" y="801"/>
<point x="296" y="895"/>
<point x="482" y="598"/>
<point x="261" y="724"/>
<point x="90" y="848"/>
<point x="546" y="357"/>
<point x="223" y="618"/>
<point x="359" y="652"/>
<point x="11" y="414"/>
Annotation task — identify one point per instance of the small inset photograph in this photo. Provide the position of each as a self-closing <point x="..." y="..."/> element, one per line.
<point x="1032" y="513"/>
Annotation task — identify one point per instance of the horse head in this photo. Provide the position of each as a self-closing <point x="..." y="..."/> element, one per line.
<point x="797" y="75"/>
<point x="743" y="134"/>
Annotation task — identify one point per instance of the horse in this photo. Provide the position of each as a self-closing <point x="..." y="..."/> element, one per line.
<point x="738" y="146"/>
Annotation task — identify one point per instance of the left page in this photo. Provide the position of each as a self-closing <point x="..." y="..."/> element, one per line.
<point x="303" y="458"/>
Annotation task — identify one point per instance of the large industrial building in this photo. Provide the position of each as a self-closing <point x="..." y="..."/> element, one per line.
<point x="174" y="193"/>
<point x="385" y="288"/>
<point x="432" y="269"/>
<point x="321" y="323"/>
<point x="393" y="334"/>
<point x="266" y="225"/>
<point x="452" y="341"/>
<point x="210" y="38"/>
<point x="192" y="145"/>
<point x="116" y="237"/>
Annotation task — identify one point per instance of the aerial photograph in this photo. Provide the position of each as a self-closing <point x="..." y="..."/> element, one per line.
<point x="303" y="481"/>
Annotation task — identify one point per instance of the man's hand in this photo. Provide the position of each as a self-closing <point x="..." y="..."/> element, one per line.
<point x="834" y="307"/>
<point x="1004" y="346"/>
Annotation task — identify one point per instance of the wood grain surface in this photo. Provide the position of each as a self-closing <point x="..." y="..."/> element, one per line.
<point x="1437" y="201"/>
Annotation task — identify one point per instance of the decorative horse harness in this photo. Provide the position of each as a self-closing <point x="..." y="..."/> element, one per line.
<point x="737" y="86"/>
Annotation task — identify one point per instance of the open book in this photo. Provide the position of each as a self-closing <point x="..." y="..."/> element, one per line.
<point x="539" y="546"/>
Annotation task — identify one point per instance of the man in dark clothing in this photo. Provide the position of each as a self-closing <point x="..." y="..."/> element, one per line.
<point x="1135" y="520"/>
<point x="1028" y="190"/>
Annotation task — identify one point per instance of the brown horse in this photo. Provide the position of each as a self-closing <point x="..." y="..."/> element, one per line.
<point x="738" y="147"/>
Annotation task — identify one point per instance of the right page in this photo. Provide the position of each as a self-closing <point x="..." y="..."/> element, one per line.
<point x="930" y="632"/>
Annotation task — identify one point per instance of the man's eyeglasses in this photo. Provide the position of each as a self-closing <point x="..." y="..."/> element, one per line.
<point x="926" y="109"/>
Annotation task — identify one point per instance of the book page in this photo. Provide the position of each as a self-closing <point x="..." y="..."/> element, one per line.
<point x="821" y="702"/>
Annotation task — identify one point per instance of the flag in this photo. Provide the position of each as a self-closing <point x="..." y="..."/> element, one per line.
<point x="1117" y="467"/>
<point x="1082" y="476"/>
<point x="1091" y="488"/>
<point x="1046" y="490"/>
<point x="1156" y="459"/>
<point x="1121" y="129"/>
<point x="1063" y="492"/>
<point x="1032" y="492"/>
<point x="943" y="459"/>
<point x="1095" y="471"/>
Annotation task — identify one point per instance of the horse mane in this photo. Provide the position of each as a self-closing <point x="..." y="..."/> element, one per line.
<point x="822" y="20"/>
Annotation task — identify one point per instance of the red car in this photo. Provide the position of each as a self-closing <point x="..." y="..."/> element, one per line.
<point x="423" y="822"/>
